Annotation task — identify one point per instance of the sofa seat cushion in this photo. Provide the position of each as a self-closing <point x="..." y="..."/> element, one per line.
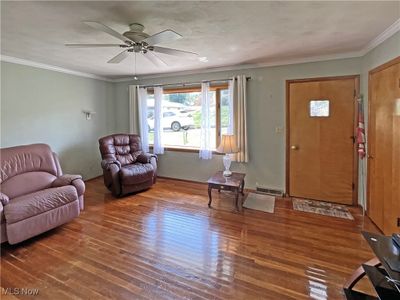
<point x="33" y="204"/>
<point x="136" y="173"/>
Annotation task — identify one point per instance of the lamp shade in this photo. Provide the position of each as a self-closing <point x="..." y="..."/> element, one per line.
<point x="228" y="144"/>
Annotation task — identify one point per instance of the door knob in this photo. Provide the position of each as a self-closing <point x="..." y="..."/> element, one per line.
<point x="294" y="147"/>
<point x="370" y="157"/>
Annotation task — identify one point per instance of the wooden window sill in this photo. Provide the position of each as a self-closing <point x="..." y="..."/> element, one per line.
<point x="184" y="149"/>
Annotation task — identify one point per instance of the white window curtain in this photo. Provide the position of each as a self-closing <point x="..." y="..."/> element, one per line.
<point x="158" y="115"/>
<point x="239" y="101"/>
<point x="205" y="133"/>
<point x="143" y="126"/>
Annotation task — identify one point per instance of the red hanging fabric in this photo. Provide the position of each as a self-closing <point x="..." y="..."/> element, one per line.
<point x="361" y="131"/>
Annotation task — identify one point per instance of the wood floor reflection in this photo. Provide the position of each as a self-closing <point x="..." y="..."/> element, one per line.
<point x="165" y="243"/>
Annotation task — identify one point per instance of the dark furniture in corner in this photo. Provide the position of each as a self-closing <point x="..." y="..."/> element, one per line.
<point x="126" y="168"/>
<point x="377" y="270"/>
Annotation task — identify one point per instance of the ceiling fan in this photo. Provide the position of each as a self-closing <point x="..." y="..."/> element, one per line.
<point x="137" y="41"/>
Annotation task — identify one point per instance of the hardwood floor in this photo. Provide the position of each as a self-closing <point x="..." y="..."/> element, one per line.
<point x="166" y="243"/>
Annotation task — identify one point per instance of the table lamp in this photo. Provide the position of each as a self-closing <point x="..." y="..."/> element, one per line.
<point x="228" y="145"/>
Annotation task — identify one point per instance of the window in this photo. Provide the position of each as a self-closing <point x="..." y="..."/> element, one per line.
<point x="169" y="114"/>
<point x="225" y="111"/>
<point x="181" y="120"/>
<point x="319" y="108"/>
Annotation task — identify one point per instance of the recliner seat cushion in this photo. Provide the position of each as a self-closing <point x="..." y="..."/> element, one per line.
<point x="33" y="204"/>
<point x="136" y="173"/>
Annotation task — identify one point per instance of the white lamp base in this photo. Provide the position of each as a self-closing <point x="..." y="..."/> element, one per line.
<point x="227" y="173"/>
<point x="227" y="164"/>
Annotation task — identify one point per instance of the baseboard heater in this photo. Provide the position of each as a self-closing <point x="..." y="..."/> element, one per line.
<point x="272" y="192"/>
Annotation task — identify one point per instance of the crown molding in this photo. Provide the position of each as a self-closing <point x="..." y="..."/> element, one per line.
<point x="391" y="30"/>
<point x="25" y="62"/>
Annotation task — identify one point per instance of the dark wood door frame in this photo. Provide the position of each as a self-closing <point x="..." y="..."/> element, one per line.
<point x="369" y="132"/>
<point x="287" y="129"/>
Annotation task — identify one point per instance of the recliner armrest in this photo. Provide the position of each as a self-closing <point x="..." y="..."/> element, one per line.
<point x="111" y="170"/>
<point x="4" y="199"/>
<point x="106" y="163"/>
<point x="67" y="179"/>
<point x="145" y="158"/>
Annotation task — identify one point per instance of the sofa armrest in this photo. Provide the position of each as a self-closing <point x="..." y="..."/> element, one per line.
<point x="67" y="179"/>
<point x="2" y="219"/>
<point x="107" y="163"/>
<point x="4" y="199"/>
<point x="145" y="158"/>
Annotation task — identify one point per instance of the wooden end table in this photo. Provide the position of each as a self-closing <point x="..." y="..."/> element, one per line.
<point x="234" y="183"/>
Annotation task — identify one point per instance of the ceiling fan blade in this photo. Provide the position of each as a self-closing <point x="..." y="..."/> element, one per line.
<point x="92" y="45"/>
<point x="162" y="37"/>
<point x="175" y="52"/>
<point x="106" y="29"/>
<point x="119" y="57"/>
<point x="158" y="62"/>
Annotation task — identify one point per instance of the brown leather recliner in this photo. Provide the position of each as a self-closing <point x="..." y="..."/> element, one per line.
<point x="126" y="168"/>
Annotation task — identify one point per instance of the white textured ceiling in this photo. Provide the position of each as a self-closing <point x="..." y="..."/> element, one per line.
<point x="227" y="33"/>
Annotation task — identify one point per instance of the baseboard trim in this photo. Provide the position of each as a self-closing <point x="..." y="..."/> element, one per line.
<point x="183" y="180"/>
<point x="90" y="179"/>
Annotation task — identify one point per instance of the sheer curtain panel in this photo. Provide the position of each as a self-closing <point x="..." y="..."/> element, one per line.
<point x="158" y="115"/>
<point x="205" y="132"/>
<point x="143" y="126"/>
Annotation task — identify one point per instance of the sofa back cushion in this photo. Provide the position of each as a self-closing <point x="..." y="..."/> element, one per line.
<point x="122" y="147"/>
<point x="26" y="169"/>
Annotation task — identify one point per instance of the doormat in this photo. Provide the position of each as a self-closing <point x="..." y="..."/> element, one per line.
<point x="261" y="202"/>
<point x="322" y="208"/>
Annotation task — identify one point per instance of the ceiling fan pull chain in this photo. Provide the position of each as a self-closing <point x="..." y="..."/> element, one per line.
<point x="134" y="76"/>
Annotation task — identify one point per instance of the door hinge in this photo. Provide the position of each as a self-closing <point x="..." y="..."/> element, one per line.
<point x="398" y="222"/>
<point x="355" y="93"/>
<point x="353" y="186"/>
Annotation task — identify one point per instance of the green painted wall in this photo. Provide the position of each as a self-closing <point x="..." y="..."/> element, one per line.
<point x="41" y="106"/>
<point x="266" y="111"/>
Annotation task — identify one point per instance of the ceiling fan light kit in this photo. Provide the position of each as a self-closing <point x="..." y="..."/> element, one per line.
<point x="137" y="41"/>
<point x="136" y="33"/>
